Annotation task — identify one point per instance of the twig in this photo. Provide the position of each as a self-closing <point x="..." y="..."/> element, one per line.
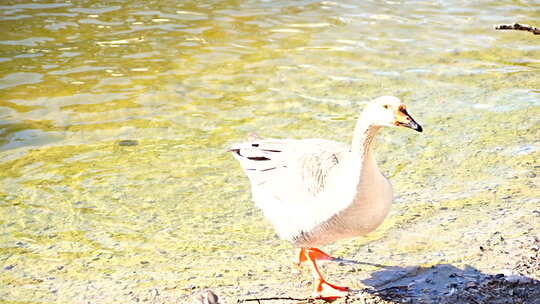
<point x="309" y="300"/>
<point x="518" y="27"/>
<point x="389" y="288"/>
<point x="258" y="300"/>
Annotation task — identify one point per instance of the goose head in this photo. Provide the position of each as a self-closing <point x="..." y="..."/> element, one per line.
<point x="390" y="111"/>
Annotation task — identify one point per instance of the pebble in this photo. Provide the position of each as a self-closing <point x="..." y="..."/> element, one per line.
<point x="206" y="297"/>
<point x="128" y="143"/>
<point x="519" y="279"/>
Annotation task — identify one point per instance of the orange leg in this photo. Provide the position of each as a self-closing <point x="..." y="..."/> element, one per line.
<point x="323" y="289"/>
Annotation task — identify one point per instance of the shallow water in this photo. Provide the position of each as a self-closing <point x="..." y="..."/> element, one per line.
<point x="115" y="118"/>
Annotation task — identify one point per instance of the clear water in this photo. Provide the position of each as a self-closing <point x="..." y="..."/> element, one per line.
<point x="115" y="118"/>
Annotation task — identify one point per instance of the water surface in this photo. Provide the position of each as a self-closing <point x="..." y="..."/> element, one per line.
<point x="115" y="118"/>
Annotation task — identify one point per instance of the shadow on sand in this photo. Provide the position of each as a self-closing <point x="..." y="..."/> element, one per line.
<point x="445" y="283"/>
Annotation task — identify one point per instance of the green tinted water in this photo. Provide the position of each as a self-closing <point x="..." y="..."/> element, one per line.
<point x="115" y="118"/>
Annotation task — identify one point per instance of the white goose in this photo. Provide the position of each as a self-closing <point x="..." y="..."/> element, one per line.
<point x="316" y="191"/>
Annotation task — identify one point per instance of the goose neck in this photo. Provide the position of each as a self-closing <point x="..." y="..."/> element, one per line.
<point x="364" y="133"/>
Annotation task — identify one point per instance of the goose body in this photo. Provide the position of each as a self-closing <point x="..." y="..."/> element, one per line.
<point x="316" y="191"/>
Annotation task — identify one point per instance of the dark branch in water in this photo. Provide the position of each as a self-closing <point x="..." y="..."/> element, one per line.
<point x="518" y="27"/>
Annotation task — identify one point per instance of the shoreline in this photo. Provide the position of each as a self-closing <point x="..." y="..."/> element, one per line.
<point x="517" y="282"/>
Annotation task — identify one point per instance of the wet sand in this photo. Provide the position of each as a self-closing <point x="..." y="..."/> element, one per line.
<point x="517" y="281"/>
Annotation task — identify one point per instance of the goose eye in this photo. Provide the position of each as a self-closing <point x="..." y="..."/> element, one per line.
<point x="386" y="106"/>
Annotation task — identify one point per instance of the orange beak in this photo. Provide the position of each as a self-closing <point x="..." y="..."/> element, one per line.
<point x="403" y="119"/>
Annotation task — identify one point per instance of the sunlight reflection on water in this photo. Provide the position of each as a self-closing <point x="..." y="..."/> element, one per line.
<point x="80" y="83"/>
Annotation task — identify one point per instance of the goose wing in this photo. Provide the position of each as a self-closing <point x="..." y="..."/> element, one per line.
<point x="289" y="169"/>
